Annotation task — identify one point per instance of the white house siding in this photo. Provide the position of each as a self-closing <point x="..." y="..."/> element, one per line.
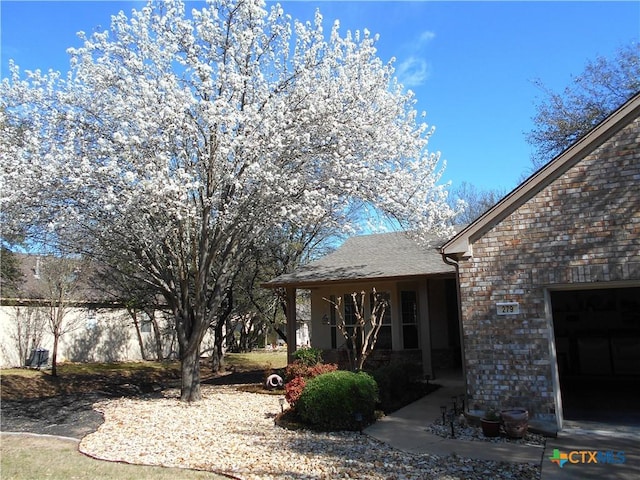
<point x="100" y="335"/>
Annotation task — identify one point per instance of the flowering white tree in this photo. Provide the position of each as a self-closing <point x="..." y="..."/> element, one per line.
<point x="178" y="139"/>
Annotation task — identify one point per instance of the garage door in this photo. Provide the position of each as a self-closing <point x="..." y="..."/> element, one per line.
<point x="597" y="335"/>
<point x="597" y="332"/>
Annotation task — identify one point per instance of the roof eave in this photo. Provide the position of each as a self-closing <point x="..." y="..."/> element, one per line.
<point x="309" y="284"/>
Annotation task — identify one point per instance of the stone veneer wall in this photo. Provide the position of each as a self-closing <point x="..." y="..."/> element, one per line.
<point x="582" y="228"/>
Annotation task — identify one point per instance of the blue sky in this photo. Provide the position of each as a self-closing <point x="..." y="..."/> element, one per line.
<point x="471" y="64"/>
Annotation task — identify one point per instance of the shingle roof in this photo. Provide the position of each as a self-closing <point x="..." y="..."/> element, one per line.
<point x="34" y="287"/>
<point x="376" y="256"/>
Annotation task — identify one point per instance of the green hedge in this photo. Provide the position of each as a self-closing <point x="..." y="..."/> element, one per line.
<point x="308" y="356"/>
<point x="330" y="401"/>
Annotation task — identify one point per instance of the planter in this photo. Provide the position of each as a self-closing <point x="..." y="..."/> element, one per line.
<point x="515" y="421"/>
<point x="490" y="428"/>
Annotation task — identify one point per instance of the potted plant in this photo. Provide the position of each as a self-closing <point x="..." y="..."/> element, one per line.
<point x="490" y="423"/>
<point x="516" y="421"/>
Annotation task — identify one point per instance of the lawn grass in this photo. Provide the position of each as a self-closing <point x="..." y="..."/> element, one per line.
<point x="94" y="368"/>
<point x="257" y="360"/>
<point x="30" y="457"/>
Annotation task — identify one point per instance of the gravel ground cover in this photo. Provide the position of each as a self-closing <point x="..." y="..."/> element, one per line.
<point x="464" y="431"/>
<point x="234" y="433"/>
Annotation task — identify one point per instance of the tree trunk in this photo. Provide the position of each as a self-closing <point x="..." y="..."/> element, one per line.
<point x="157" y="335"/>
<point x="218" y="351"/>
<point x="190" y="369"/>
<point x="218" y="354"/>
<point x="136" y="324"/>
<point x="54" y="355"/>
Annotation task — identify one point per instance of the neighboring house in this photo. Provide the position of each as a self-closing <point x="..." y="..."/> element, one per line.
<point x="421" y="324"/>
<point x="550" y="280"/>
<point x="96" y="328"/>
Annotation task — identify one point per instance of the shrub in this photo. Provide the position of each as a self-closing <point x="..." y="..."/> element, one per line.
<point x="308" y="356"/>
<point x="293" y="389"/>
<point x="297" y="369"/>
<point x="330" y="401"/>
<point x="396" y="382"/>
<point x="297" y="372"/>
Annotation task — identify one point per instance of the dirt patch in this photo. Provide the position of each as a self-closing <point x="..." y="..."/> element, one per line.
<point x="112" y="383"/>
<point x="64" y="415"/>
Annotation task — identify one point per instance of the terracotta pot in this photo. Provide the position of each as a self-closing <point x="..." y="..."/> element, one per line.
<point x="490" y="428"/>
<point x="515" y="421"/>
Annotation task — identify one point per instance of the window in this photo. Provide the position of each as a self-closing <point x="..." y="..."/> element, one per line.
<point x="92" y="319"/>
<point x="349" y="309"/>
<point x="409" y="312"/>
<point x="350" y="317"/>
<point x="145" y="326"/>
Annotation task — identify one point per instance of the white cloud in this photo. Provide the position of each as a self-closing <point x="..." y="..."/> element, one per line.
<point x="413" y="69"/>
<point x="426" y="37"/>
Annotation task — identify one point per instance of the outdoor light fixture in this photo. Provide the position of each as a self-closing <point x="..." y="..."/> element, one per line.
<point x="357" y="416"/>
<point x="452" y="414"/>
<point x="443" y="409"/>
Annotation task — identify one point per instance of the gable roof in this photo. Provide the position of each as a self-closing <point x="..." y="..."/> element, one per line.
<point x="383" y="256"/>
<point x="460" y="246"/>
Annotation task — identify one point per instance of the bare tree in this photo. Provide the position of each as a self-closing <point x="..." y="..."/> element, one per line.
<point x="248" y="310"/>
<point x="476" y="201"/>
<point x="362" y="334"/>
<point x="61" y="283"/>
<point x="29" y="324"/>
<point x="604" y="85"/>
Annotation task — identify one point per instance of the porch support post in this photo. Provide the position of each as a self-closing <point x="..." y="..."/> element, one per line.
<point x="291" y="323"/>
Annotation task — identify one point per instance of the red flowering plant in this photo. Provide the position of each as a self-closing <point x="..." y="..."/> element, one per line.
<point x="297" y="373"/>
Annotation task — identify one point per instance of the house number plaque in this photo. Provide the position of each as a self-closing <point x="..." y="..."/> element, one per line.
<point x="508" y="308"/>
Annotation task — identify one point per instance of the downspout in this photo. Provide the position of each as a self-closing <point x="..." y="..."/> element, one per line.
<point x="454" y="264"/>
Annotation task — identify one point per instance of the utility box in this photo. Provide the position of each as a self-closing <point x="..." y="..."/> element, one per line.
<point x="38" y="358"/>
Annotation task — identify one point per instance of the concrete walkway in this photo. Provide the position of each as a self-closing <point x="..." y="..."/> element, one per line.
<point x="617" y="447"/>
<point x="405" y="430"/>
